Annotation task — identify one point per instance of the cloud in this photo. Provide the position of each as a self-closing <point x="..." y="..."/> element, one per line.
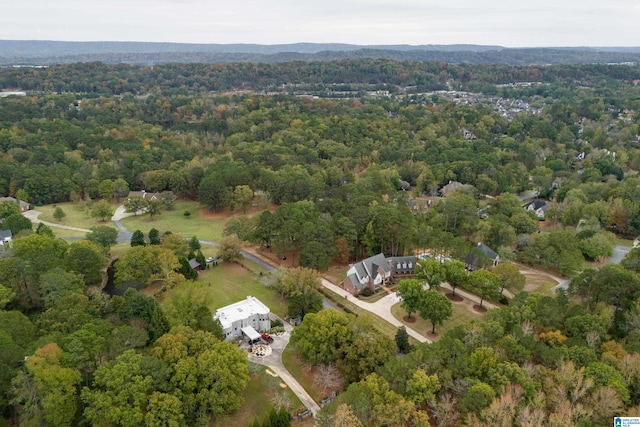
<point x="508" y="23"/>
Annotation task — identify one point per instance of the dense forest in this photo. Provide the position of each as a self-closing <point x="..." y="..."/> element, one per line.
<point x="353" y="156"/>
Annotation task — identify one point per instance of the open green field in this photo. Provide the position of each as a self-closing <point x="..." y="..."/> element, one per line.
<point x="258" y="399"/>
<point x="229" y="283"/>
<point x="194" y="225"/>
<point x="461" y="314"/>
<point x="76" y="215"/>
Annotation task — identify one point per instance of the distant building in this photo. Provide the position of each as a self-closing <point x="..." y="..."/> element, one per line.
<point x="5" y="238"/>
<point x="538" y="207"/>
<point x="480" y="256"/>
<point x="24" y="206"/>
<point x="144" y="195"/>
<point x="193" y="263"/>
<point x="376" y="271"/>
<point x="244" y="318"/>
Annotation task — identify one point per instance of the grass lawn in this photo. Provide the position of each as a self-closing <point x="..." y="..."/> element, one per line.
<point x="197" y="224"/>
<point x="304" y="376"/>
<point x="258" y="396"/>
<point x="76" y="215"/>
<point x="229" y="283"/>
<point x="624" y="242"/>
<point x="62" y="233"/>
<point x="461" y="314"/>
<point x="538" y="283"/>
<point x="378" y="322"/>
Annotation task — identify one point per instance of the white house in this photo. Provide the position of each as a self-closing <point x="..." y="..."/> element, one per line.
<point x="539" y="207"/>
<point x="245" y="317"/>
<point x="5" y="238"/>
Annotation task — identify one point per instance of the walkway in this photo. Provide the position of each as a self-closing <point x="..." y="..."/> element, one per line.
<point x="381" y="308"/>
<point x="274" y="362"/>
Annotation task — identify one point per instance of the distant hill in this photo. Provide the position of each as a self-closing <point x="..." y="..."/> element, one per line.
<point x="36" y="52"/>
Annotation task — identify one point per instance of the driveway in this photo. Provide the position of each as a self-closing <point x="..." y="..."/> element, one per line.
<point x="33" y="217"/>
<point x="274" y="362"/>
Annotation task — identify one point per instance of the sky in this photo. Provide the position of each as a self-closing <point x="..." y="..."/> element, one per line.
<point x="510" y="23"/>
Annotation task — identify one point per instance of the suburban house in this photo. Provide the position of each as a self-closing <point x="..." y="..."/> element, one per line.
<point x="245" y="317"/>
<point x="474" y="260"/>
<point x="372" y="273"/>
<point x="144" y="195"/>
<point x="24" y="206"/>
<point x="193" y="263"/>
<point x="376" y="271"/>
<point x="453" y="186"/>
<point x="538" y="207"/>
<point x="402" y="266"/>
<point x="5" y="238"/>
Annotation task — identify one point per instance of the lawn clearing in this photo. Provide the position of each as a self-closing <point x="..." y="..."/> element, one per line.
<point x="538" y="283"/>
<point x="230" y="283"/>
<point x="204" y="227"/>
<point x="462" y="313"/>
<point x="305" y="375"/>
<point x="77" y="216"/>
<point x="378" y="322"/>
<point x="64" y="234"/>
<point x="259" y="397"/>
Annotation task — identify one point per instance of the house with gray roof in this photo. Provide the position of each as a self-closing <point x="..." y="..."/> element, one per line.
<point x="481" y="256"/>
<point x="24" y="206"/>
<point x="371" y="272"/>
<point x="538" y="207"/>
<point x="402" y="266"/>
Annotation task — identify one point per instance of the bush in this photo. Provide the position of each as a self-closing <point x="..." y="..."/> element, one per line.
<point x="276" y="322"/>
<point x="504" y="300"/>
<point x="366" y="292"/>
<point x="186" y="214"/>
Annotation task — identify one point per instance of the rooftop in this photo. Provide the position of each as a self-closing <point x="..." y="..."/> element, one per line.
<point x="240" y="310"/>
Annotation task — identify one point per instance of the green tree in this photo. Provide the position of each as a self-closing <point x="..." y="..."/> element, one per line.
<point x="87" y="259"/>
<point x="58" y="213"/>
<point x="47" y="390"/>
<point x="297" y="281"/>
<point x="175" y="243"/>
<point x="436" y="308"/>
<point x="510" y="277"/>
<point x="300" y="305"/>
<point x="135" y="204"/>
<point x="104" y="236"/>
<point x="411" y="291"/>
<point x="102" y="210"/>
<point x="164" y="410"/>
<point x="229" y="249"/>
<point x="107" y="189"/>
<point x="596" y="247"/>
<point x="16" y="223"/>
<point x="242" y="196"/>
<point x="120" y="393"/>
<point x="44" y="230"/>
<point x="422" y="388"/>
<point x="214" y="193"/>
<point x="456" y="274"/>
<point x="57" y="283"/>
<point x="321" y="336"/>
<point x="8" y="208"/>
<point x="121" y="189"/>
<point x="168" y="200"/>
<point x="432" y="271"/>
<point x="137" y="239"/>
<point x="194" y="244"/>
<point x="154" y="237"/>
<point x="367" y="352"/>
<point x="154" y="207"/>
<point x="485" y="284"/>
<point x="402" y="340"/>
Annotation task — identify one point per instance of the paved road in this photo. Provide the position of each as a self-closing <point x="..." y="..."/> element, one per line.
<point x="619" y="252"/>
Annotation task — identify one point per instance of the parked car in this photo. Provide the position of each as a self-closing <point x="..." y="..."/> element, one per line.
<point x="267" y="338"/>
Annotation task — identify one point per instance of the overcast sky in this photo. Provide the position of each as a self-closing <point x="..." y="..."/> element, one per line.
<point x="509" y="23"/>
